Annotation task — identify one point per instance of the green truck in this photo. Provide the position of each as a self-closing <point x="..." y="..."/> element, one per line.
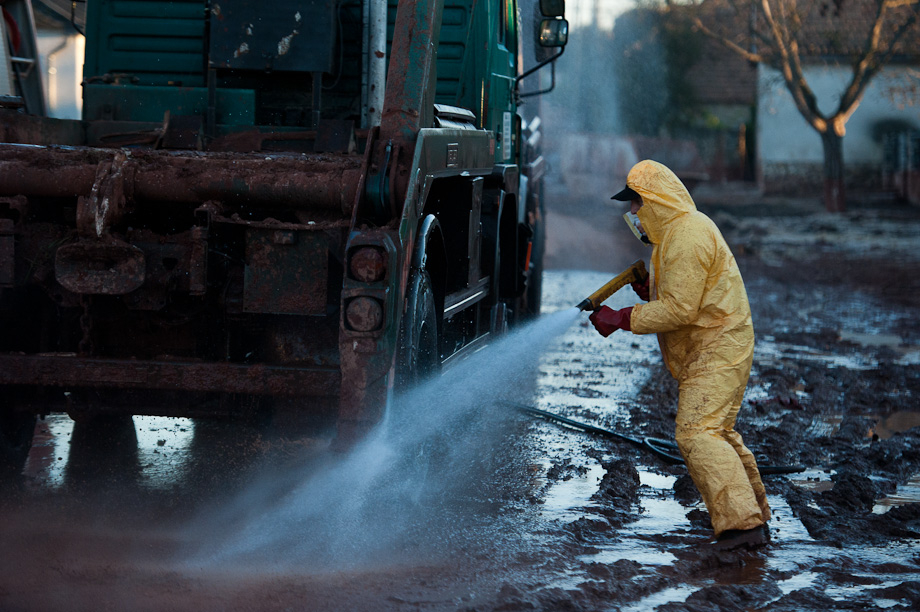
<point x="293" y="208"/>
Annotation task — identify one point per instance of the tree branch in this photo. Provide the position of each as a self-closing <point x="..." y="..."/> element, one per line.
<point x="792" y="72"/>
<point x="873" y="58"/>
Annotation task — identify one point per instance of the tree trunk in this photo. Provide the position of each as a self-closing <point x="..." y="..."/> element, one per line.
<point x="834" y="195"/>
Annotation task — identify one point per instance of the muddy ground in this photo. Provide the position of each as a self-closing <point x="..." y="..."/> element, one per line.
<point x="523" y="514"/>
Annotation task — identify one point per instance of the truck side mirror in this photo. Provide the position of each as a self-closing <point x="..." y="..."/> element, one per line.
<point x="554" y="32"/>
<point x="552" y="8"/>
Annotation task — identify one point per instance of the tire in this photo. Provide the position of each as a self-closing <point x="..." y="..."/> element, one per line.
<point x="16" y="430"/>
<point x="418" y="355"/>
<point x="418" y="360"/>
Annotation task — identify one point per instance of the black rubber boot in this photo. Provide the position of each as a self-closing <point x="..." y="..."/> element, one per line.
<point x="734" y="539"/>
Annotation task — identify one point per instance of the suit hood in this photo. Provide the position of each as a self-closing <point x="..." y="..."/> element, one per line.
<point x="664" y="197"/>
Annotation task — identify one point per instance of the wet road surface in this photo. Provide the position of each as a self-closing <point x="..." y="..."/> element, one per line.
<point x="467" y="505"/>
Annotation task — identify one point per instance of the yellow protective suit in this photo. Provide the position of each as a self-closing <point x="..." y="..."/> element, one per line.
<point x="700" y="311"/>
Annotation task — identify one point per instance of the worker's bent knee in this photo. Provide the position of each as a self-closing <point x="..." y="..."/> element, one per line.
<point x="688" y="434"/>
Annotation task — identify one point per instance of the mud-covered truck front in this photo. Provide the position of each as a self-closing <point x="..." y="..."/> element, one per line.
<point x="287" y="208"/>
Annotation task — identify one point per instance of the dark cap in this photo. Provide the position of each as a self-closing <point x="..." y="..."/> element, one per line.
<point x="627" y="195"/>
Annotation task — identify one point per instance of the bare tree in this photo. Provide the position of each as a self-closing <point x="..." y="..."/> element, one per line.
<point x="866" y="34"/>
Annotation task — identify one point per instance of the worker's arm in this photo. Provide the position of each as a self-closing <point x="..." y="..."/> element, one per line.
<point x="685" y="259"/>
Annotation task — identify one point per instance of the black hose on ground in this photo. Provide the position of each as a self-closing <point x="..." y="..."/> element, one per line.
<point x="663" y="449"/>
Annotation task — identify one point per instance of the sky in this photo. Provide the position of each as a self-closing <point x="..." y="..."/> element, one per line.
<point x="581" y="12"/>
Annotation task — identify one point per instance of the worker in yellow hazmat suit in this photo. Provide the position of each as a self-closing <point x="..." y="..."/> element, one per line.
<point x="699" y="309"/>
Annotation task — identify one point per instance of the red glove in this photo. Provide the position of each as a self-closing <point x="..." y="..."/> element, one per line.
<point x="641" y="288"/>
<point x="606" y="320"/>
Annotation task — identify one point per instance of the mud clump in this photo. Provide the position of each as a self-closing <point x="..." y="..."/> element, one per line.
<point x="685" y="491"/>
<point x="620" y="570"/>
<point x="619" y="487"/>
<point x="851" y="493"/>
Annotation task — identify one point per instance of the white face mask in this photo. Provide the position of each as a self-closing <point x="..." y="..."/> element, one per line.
<point x="632" y="220"/>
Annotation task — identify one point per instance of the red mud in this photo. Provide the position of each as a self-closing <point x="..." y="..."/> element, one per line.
<point x="103" y="541"/>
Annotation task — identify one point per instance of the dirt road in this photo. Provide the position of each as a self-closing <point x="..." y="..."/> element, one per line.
<point x="463" y="504"/>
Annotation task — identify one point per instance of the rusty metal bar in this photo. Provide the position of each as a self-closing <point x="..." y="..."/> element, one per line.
<point x="409" y="105"/>
<point x="74" y="371"/>
<point x="303" y="181"/>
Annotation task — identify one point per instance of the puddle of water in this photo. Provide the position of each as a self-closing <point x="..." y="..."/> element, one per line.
<point x="874" y="340"/>
<point x="50" y="449"/>
<point x="657" y="481"/>
<point x="813" y="480"/>
<point x="825" y="425"/>
<point x="887" y="603"/>
<point x="909" y="355"/>
<point x="163" y="450"/>
<point x="774" y="353"/>
<point x="847" y="593"/>
<point x="770" y="352"/>
<point x="797" y="582"/>
<point x="566" y="499"/>
<point x="659" y="513"/>
<point x="896" y="422"/>
<point x="885" y="426"/>
<point x="908" y="493"/>
<point x="632" y="550"/>
<point x="651" y="602"/>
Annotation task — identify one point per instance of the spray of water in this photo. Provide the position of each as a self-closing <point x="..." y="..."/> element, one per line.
<point x="401" y="491"/>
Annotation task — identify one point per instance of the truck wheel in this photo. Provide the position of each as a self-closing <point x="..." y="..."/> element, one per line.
<point x="418" y="360"/>
<point x="418" y="357"/>
<point x="16" y="429"/>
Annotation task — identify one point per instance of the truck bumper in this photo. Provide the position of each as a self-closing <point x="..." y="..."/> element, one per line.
<point x="71" y="371"/>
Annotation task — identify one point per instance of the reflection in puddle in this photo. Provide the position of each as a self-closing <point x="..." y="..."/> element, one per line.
<point x="894" y="423"/>
<point x="797" y="582"/>
<point x="847" y="593"/>
<point x="654" y="600"/>
<point x="157" y="454"/>
<point x="866" y="339"/>
<point x="657" y="481"/>
<point x="826" y="425"/>
<point x="50" y="449"/>
<point x="908" y="493"/>
<point x="164" y="447"/>
<point x="813" y="480"/>
<point x="774" y="353"/>
<point x="908" y="355"/>
<point x="767" y="351"/>
<point x="659" y="513"/>
<point x="566" y="499"/>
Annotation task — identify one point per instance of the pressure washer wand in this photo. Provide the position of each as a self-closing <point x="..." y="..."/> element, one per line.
<point x="634" y="273"/>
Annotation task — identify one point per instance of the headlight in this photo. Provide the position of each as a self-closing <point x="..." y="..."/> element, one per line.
<point x="364" y="314"/>
<point x="368" y="264"/>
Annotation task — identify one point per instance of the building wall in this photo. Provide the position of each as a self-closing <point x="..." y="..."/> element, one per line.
<point x="790" y="154"/>
<point x="61" y="58"/>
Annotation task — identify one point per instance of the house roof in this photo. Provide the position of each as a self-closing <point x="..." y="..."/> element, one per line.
<point x="826" y="28"/>
<point x="721" y="77"/>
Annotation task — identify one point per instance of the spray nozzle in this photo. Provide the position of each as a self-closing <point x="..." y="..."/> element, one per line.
<point x="634" y="273"/>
